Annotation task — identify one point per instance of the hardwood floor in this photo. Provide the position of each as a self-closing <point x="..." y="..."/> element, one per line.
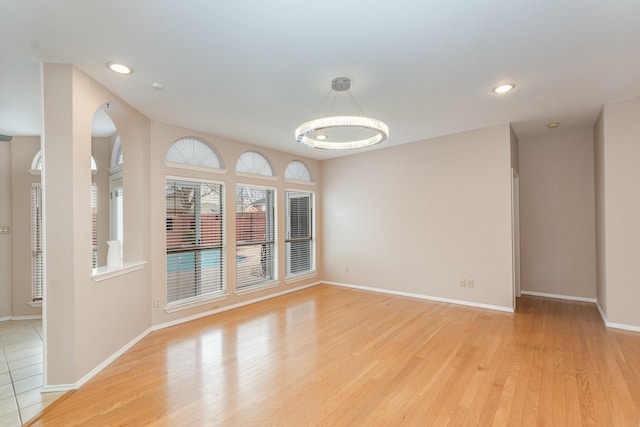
<point x="328" y="356"/>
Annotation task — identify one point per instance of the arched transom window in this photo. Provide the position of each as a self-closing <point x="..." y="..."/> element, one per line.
<point x="254" y="163"/>
<point x="190" y="151"/>
<point x="297" y="171"/>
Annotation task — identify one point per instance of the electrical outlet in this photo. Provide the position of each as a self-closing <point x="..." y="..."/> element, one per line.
<point x="4" y="229"/>
<point x="156" y="302"/>
<point x="470" y="283"/>
<point x="462" y="283"/>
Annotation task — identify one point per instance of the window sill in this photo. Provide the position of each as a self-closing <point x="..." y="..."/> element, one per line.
<point x="300" y="277"/>
<point x="257" y="288"/>
<point x="104" y="273"/>
<point x="35" y="304"/>
<point x="197" y="303"/>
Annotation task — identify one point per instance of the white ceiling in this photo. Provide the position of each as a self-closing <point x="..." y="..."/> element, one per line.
<point x="253" y="70"/>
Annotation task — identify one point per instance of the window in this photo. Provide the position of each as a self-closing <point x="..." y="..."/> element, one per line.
<point x="37" y="273"/>
<point x="253" y="163"/>
<point x="297" y="171"/>
<point x="195" y="244"/>
<point x="116" y="196"/>
<point x="255" y="237"/>
<point x="189" y="151"/>
<point x="299" y="243"/>
<point x="116" y="209"/>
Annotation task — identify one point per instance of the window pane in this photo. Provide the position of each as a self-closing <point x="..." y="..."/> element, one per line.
<point x="299" y="244"/>
<point x="194" y="227"/>
<point x="255" y="237"/>
<point x="37" y="277"/>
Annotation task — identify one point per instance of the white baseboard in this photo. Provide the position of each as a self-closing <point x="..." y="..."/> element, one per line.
<point x="95" y="371"/>
<point x="230" y="307"/>
<point x="616" y="325"/>
<point x="425" y="297"/>
<point x="557" y="296"/>
<point x="58" y="388"/>
<point x="38" y="317"/>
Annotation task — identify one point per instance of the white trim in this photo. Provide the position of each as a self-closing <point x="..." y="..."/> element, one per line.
<point x="622" y="326"/>
<point x="58" y="388"/>
<point x="190" y="179"/>
<point x="35" y="304"/>
<point x="230" y="307"/>
<point x="557" y="296"/>
<point x="103" y="273"/>
<point x="34" y="172"/>
<point x="2" y="319"/>
<point x="256" y="175"/>
<point x="296" y="181"/>
<point x="208" y="299"/>
<point x="426" y="297"/>
<point x="95" y="371"/>
<point x="300" y="277"/>
<point x="256" y="288"/>
<point x="34" y="317"/>
<point x="194" y="167"/>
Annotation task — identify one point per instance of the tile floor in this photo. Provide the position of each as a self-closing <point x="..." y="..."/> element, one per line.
<point x="21" y="370"/>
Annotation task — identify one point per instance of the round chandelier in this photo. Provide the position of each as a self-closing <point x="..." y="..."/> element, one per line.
<point x="343" y="132"/>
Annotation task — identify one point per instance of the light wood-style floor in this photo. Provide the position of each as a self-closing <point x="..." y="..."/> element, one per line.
<point x="329" y="356"/>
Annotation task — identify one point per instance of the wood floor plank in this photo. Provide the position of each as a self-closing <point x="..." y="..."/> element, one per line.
<point x="330" y="356"/>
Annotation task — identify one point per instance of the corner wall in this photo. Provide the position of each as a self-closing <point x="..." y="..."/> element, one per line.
<point x="620" y="178"/>
<point x="417" y="218"/>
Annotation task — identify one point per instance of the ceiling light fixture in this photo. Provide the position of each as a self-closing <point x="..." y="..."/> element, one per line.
<point x="342" y="132"/>
<point x="508" y="87"/>
<point x="119" y="68"/>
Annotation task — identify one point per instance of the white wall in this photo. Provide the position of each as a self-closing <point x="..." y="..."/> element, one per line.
<point x="557" y="214"/>
<point x="88" y="321"/>
<point x="418" y="217"/>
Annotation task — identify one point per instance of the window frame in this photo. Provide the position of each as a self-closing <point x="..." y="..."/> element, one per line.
<point x="198" y="250"/>
<point x="268" y="254"/>
<point x="311" y="238"/>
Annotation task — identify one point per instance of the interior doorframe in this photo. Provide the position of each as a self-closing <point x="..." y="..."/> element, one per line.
<point x="515" y="234"/>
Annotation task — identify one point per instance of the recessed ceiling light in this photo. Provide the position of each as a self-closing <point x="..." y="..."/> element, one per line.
<point x="321" y="137"/>
<point x="119" y="68"/>
<point x="158" y="86"/>
<point x="553" y="125"/>
<point x="508" y="87"/>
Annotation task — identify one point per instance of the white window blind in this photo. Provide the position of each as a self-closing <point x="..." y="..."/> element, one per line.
<point x="94" y="225"/>
<point x="37" y="272"/>
<point x="195" y="250"/>
<point x="255" y="237"/>
<point x="299" y="244"/>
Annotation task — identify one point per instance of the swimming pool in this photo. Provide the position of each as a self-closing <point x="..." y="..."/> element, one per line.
<point x="186" y="261"/>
